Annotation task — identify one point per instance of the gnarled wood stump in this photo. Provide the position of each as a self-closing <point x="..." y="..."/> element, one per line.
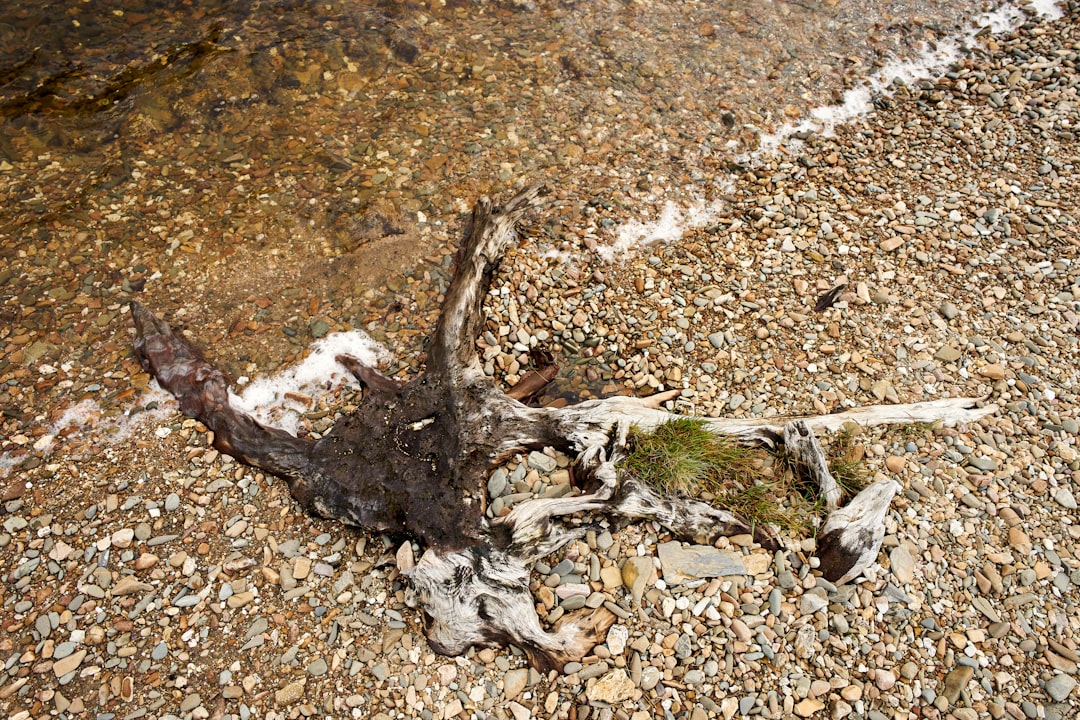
<point x="414" y="459"/>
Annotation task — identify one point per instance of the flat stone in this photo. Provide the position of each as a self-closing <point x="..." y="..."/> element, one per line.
<point x="612" y="577"/>
<point x="902" y="564"/>
<point x="956" y="681"/>
<point x="948" y="354"/>
<point x="289" y="694"/>
<point x="301" y="568"/>
<point x="993" y="371"/>
<point x="811" y="603"/>
<point x="240" y="599"/>
<point x="190" y="702"/>
<point x="635" y="574"/>
<point x="890" y="244"/>
<point x="681" y="563"/>
<point x="1060" y="687"/>
<point x="543" y="463"/>
<point x="1065" y="499"/>
<point x="65" y="665"/>
<point x="1019" y="541"/>
<point x="616" y="639"/>
<point x="615" y="687"/>
<point x="122" y="538"/>
<point x="808" y="707"/>
<point x="61" y="551"/>
<point x="514" y="681"/>
<point x="129" y="585"/>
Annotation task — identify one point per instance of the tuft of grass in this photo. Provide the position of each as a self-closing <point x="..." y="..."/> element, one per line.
<point x="912" y="431"/>
<point x="845" y="457"/>
<point x="682" y="456"/>
<point x="765" y="503"/>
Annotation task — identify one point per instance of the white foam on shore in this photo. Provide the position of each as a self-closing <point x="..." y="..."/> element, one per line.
<point x="672" y="223"/>
<point x="1047" y="9"/>
<point x="267" y="398"/>
<point x="86" y="418"/>
<point x="856" y="102"/>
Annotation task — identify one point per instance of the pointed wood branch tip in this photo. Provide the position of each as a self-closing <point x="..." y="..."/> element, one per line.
<point x="655" y="401"/>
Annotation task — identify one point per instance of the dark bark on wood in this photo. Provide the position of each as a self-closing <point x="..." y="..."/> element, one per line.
<point x="414" y="459"/>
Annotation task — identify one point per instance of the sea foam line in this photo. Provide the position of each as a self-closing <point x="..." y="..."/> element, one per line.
<point x="278" y="400"/>
<point x="856" y="102"/>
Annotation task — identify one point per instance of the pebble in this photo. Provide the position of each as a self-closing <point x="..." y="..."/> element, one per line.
<point x="956" y="681"/>
<point x="1060" y="687"/>
<point x="514" y="682"/>
<point x="612" y="688"/>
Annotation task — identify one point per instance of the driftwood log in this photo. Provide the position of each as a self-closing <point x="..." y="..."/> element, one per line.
<point x="414" y="459"/>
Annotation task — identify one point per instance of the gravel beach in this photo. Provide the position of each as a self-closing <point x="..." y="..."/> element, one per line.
<point x="147" y="575"/>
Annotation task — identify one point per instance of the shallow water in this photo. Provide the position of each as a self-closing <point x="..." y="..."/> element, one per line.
<point x="249" y="165"/>
<point x="415" y="102"/>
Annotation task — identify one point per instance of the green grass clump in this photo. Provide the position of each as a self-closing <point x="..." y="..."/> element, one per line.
<point x="682" y="456"/>
<point x="845" y="458"/>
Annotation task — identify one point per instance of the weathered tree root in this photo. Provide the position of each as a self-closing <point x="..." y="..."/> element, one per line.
<point x="414" y="459"/>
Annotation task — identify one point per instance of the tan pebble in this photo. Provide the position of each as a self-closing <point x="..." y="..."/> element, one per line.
<point x="240" y="599"/>
<point x="128" y="585"/>
<point x="122" y="538"/>
<point x="895" y="463"/>
<point x="635" y="574"/>
<point x="1009" y="516"/>
<point x="851" y="693"/>
<point x="615" y="687"/>
<point x="289" y="694"/>
<point x="301" y="567"/>
<point x="757" y="563"/>
<point x="993" y="371"/>
<point x="236" y="529"/>
<point x="1019" y="541"/>
<point x="885" y="679"/>
<point x="146" y="560"/>
<point x="706" y="29"/>
<point x="809" y="707"/>
<point x="611" y="576"/>
<point x="890" y="244"/>
<point x="741" y="630"/>
<point x="72" y="661"/>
